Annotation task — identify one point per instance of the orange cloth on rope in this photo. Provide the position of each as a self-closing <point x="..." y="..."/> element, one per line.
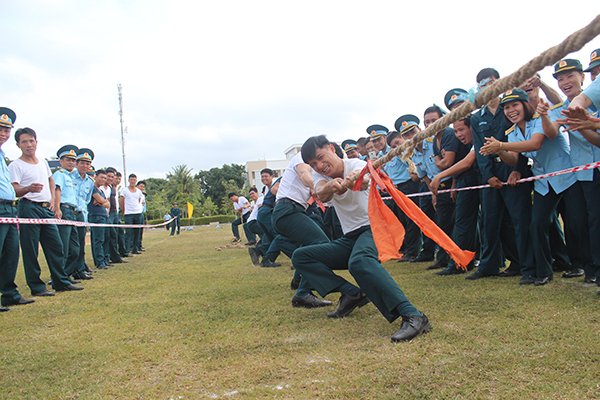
<point x="388" y="232"/>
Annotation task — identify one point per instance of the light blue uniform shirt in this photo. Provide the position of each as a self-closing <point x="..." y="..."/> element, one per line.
<point x="428" y="159"/>
<point x="551" y="157"/>
<point x="84" y="189"/>
<point x="396" y="169"/>
<point x="7" y="190"/>
<point x="417" y="159"/>
<point x="582" y="152"/>
<point x="64" y="179"/>
<point x="593" y="92"/>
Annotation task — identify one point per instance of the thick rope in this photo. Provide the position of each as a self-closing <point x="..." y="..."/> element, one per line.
<point x="573" y="43"/>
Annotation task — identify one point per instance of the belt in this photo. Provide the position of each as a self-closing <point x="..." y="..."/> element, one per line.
<point x="286" y="200"/>
<point x="44" y="204"/>
<point x="267" y="205"/>
<point x="65" y="205"/>
<point x="78" y="212"/>
<point x="11" y="202"/>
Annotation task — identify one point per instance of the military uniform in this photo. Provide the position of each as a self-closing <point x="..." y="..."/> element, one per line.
<point x="516" y="200"/>
<point x="83" y="187"/>
<point x="63" y="180"/>
<point x="176" y="223"/>
<point x="9" y="234"/>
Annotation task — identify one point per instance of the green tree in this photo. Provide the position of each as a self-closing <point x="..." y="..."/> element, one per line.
<point x="212" y="182"/>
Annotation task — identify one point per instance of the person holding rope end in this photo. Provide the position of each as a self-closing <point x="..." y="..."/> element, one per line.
<point x="356" y="250"/>
<point x="550" y="154"/>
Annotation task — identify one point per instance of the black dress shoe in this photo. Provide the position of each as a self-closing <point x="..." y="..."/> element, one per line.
<point x="543" y="281"/>
<point x="19" y="302"/>
<point x="412" y="326"/>
<point x="407" y="258"/>
<point x="266" y="263"/>
<point x="509" y="272"/>
<point x="589" y="279"/>
<point x="310" y="301"/>
<point x="44" y="293"/>
<point x="69" y="288"/>
<point x="250" y="243"/>
<point x="478" y="275"/>
<point x="527" y="280"/>
<point x="74" y="280"/>
<point x="421" y="258"/>
<point x="126" y="255"/>
<point x="348" y="303"/>
<point x="574" y="273"/>
<point x="437" y="265"/>
<point x="295" y="284"/>
<point x="136" y="252"/>
<point x="2" y="309"/>
<point x="451" y="271"/>
<point x="83" y="276"/>
<point x="254" y="256"/>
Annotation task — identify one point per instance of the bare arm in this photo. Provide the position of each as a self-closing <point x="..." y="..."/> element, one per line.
<point x="275" y="188"/>
<point x="304" y="173"/>
<point x="447" y="161"/>
<point x="551" y="94"/>
<point x="456" y="169"/>
<point x="580" y="101"/>
<point x="122" y="204"/>
<point x="550" y="128"/>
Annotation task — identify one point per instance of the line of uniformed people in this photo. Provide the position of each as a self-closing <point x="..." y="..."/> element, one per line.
<point x="70" y="193"/>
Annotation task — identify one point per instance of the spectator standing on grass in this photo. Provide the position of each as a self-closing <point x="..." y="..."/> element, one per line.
<point x="9" y="235"/>
<point x="98" y="214"/>
<point x="141" y="185"/>
<point x="84" y="186"/>
<point x="33" y="183"/>
<point x="65" y="195"/>
<point x="175" y="213"/>
<point x="130" y="201"/>
<point x="113" y="216"/>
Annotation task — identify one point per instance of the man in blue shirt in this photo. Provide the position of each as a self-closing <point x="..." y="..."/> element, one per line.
<point x="84" y="186"/>
<point x="9" y="235"/>
<point x="65" y="204"/>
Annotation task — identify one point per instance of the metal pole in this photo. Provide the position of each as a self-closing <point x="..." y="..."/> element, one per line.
<point x="122" y="132"/>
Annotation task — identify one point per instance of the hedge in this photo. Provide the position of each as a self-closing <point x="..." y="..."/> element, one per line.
<point x="224" y="219"/>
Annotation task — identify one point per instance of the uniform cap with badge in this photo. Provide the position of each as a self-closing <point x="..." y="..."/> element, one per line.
<point x="69" y="151"/>
<point x="376" y="131"/>
<point x="514" y="95"/>
<point x="7" y="117"/>
<point x="594" y="60"/>
<point x="85" y="155"/>
<point x="454" y="96"/>
<point x="567" y="65"/>
<point x="348" y="145"/>
<point x="406" y="123"/>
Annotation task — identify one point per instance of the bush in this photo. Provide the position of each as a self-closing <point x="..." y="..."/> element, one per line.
<point x="224" y="219"/>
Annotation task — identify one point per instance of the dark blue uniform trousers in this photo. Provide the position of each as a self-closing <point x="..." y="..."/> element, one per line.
<point x="357" y="253"/>
<point x="9" y="256"/>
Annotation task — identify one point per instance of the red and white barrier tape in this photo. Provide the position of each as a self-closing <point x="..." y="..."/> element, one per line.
<point x="40" y="221"/>
<point x="530" y="179"/>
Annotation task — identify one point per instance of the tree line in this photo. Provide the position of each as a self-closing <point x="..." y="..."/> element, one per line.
<point x="206" y="191"/>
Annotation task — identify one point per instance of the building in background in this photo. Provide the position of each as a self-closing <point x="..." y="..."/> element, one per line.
<point x="253" y="168"/>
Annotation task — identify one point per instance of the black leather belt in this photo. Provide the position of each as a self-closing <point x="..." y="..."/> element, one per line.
<point x="65" y="205"/>
<point x="44" y="204"/>
<point x="267" y="205"/>
<point x="286" y="200"/>
<point x="11" y="202"/>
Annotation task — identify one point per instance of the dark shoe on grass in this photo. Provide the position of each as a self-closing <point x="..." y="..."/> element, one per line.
<point x="44" y="293"/>
<point x="70" y="288"/>
<point x="412" y="326"/>
<point x="574" y="273"/>
<point x="348" y="303"/>
<point x="478" y="275"/>
<point x="543" y="281"/>
<point x="451" y="271"/>
<point x="509" y="272"/>
<point x="254" y="256"/>
<point x="19" y="302"/>
<point x="295" y="284"/>
<point x="527" y="280"/>
<point x="310" y="301"/>
<point x="437" y="265"/>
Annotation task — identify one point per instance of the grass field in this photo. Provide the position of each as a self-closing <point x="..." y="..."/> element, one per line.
<point x="184" y="321"/>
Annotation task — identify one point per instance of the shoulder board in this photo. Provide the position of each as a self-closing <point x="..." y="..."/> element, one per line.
<point x="512" y="128"/>
<point x="430" y="140"/>
<point x="536" y="115"/>
<point x="557" y="105"/>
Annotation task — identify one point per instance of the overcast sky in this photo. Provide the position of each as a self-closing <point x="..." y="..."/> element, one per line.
<point x="207" y="83"/>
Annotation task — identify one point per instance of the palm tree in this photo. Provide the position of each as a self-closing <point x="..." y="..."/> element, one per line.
<point x="182" y="183"/>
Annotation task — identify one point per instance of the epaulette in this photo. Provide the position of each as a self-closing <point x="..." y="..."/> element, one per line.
<point x="557" y="105"/>
<point x="536" y="115"/>
<point x="509" y="130"/>
<point x="430" y="140"/>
